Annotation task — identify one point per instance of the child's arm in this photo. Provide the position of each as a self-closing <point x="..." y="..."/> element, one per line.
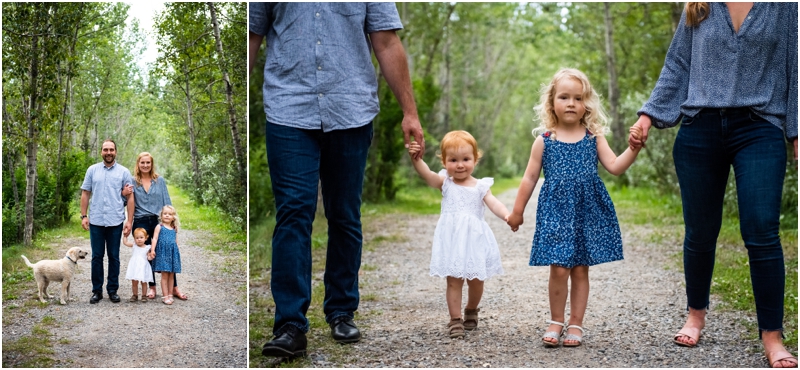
<point x="527" y="185"/>
<point x="613" y="164"/>
<point x="127" y="242"/>
<point x="432" y="178"/>
<point x="154" y="241"/>
<point x="496" y="206"/>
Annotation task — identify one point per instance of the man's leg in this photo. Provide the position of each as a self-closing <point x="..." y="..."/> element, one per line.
<point x="344" y="159"/>
<point x="113" y="237"/>
<point x="98" y="243"/>
<point x="293" y="156"/>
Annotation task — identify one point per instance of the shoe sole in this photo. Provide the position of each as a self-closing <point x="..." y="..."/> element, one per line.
<point x="347" y="341"/>
<point x="93" y="302"/>
<point x="280" y="352"/>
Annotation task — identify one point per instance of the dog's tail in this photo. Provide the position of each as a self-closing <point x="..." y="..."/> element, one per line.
<point x="27" y="262"/>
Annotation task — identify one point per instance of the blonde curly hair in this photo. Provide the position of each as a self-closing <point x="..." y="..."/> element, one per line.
<point x="595" y="118"/>
<point x="175" y="222"/>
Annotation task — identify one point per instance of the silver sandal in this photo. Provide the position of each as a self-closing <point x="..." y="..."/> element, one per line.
<point x="577" y="338"/>
<point x="553" y="334"/>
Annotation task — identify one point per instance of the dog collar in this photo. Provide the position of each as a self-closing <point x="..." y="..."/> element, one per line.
<point x="70" y="259"/>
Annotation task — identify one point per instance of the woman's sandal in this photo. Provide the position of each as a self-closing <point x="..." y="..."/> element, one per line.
<point x="788" y="358"/>
<point x="151" y="290"/>
<point x="553" y="334"/>
<point x="681" y="333"/>
<point x="573" y="337"/>
<point x="471" y="318"/>
<point x="456" y="328"/>
<point x="181" y="296"/>
<point x="167" y="299"/>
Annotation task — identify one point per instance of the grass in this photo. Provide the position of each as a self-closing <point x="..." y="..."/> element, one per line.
<point x="220" y="234"/>
<point x="731" y="282"/>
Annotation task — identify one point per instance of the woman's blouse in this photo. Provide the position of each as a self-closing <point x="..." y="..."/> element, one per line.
<point x="149" y="203"/>
<point x="711" y="66"/>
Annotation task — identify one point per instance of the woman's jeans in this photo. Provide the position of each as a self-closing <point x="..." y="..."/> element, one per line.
<point x="299" y="160"/>
<point x="706" y="147"/>
<point x="149" y="223"/>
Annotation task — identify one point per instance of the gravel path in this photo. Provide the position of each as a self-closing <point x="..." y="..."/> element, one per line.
<point x="635" y="306"/>
<point x="208" y="330"/>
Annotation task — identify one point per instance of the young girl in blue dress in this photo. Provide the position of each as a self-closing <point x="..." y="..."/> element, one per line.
<point x="464" y="247"/>
<point x="576" y="225"/>
<point x="165" y="249"/>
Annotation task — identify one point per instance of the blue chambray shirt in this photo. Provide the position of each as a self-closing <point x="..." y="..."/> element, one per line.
<point x="319" y="72"/>
<point x="106" y="206"/>
<point x="710" y="66"/>
<point x="150" y="203"/>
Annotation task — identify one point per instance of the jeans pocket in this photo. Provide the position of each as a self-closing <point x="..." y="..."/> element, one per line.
<point x="686" y="120"/>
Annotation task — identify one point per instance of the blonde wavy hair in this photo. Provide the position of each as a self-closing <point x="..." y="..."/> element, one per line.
<point x="175" y="222"/>
<point x="137" y="175"/>
<point x="595" y="118"/>
<point x="456" y="139"/>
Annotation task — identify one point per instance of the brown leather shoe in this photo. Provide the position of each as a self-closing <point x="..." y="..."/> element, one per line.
<point x="471" y="318"/>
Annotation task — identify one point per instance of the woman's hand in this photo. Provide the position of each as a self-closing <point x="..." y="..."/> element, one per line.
<point x="643" y="124"/>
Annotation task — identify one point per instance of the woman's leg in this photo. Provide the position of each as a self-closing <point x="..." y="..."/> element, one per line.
<point x="702" y="166"/>
<point x="759" y="165"/>
<point x="474" y="294"/>
<point x="578" y="299"/>
<point x="454" y="286"/>
<point x="557" y="288"/>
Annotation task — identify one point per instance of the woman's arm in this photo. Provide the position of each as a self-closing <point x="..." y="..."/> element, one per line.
<point x="496" y="206"/>
<point x="528" y="184"/>
<point x="431" y="178"/>
<point x="613" y="164"/>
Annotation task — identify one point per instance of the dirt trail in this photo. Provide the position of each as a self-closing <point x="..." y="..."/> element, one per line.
<point x="635" y="306"/>
<point x="208" y="330"/>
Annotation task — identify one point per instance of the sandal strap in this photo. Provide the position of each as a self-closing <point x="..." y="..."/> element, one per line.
<point x="563" y="324"/>
<point x="576" y="327"/>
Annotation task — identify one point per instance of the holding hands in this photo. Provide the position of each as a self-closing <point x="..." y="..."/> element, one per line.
<point x="514" y="220"/>
<point x="638" y="132"/>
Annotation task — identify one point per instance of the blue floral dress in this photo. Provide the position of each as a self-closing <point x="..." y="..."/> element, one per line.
<point x="168" y="257"/>
<point x="576" y="224"/>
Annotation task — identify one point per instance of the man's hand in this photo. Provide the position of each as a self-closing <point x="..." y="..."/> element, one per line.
<point x="412" y="128"/>
<point x="127" y="190"/>
<point x="85" y="223"/>
<point x="126" y="229"/>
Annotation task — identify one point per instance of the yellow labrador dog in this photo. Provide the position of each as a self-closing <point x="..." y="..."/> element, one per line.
<point x="61" y="270"/>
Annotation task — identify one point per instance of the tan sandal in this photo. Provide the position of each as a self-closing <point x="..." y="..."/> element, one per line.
<point x="784" y="356"/>
<point x="133" y="298"/>
<point x="456" y="328"/>
<point x="471" y="318"/>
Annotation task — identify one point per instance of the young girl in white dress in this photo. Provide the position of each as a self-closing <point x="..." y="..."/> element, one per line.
<point x="139" y="270"/>
<point x="464" y="247"/>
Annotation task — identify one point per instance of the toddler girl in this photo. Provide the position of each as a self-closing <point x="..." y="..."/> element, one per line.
<point x="138" y="267"/>
<point x="165" y="251"/>
<point x="464" y="247"/>
<point x="576" y="225"/>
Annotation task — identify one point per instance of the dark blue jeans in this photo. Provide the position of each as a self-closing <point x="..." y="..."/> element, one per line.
<point x="706" y="147"/>
<point x="102" y="239"/>
<point x="149" y="223"/>
<point x="299" y="160"/>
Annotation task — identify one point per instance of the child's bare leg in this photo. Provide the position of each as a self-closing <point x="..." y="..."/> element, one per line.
<point x="144" y="289"/>
<point x="557" y="291"/>
<point x="454" y="286"/>
<point x="170" y="283"/>
<point x="474" y="293"/>
<point x="578" y="299"/>
<point x="164" y="282"/>
<point x="135" y="288"/>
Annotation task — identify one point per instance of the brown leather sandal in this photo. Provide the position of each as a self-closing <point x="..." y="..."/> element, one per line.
<point x="456" y="328"/>
<point x="471" y="318"/>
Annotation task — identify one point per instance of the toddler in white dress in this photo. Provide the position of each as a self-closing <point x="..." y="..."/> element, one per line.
<point x="139" y="270"/>
<point x="464" y="247"/>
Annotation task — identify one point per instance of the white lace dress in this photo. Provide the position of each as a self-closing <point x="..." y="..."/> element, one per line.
<point x="139" y="267"/>
<point x="463" y="244"/>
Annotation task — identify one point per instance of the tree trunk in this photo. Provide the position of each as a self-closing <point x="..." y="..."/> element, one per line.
<point x="32" y="145"/>
<point x="62" y="123"/>
<point x="190" y="123"/>
<point x="438" y="39"/>
<point x="617" y="129"/>
<point x="237" y="145"/>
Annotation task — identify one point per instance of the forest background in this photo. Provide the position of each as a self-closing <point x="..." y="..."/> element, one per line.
<point x="479" y="67"/>
<point x="71" y="79"/>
